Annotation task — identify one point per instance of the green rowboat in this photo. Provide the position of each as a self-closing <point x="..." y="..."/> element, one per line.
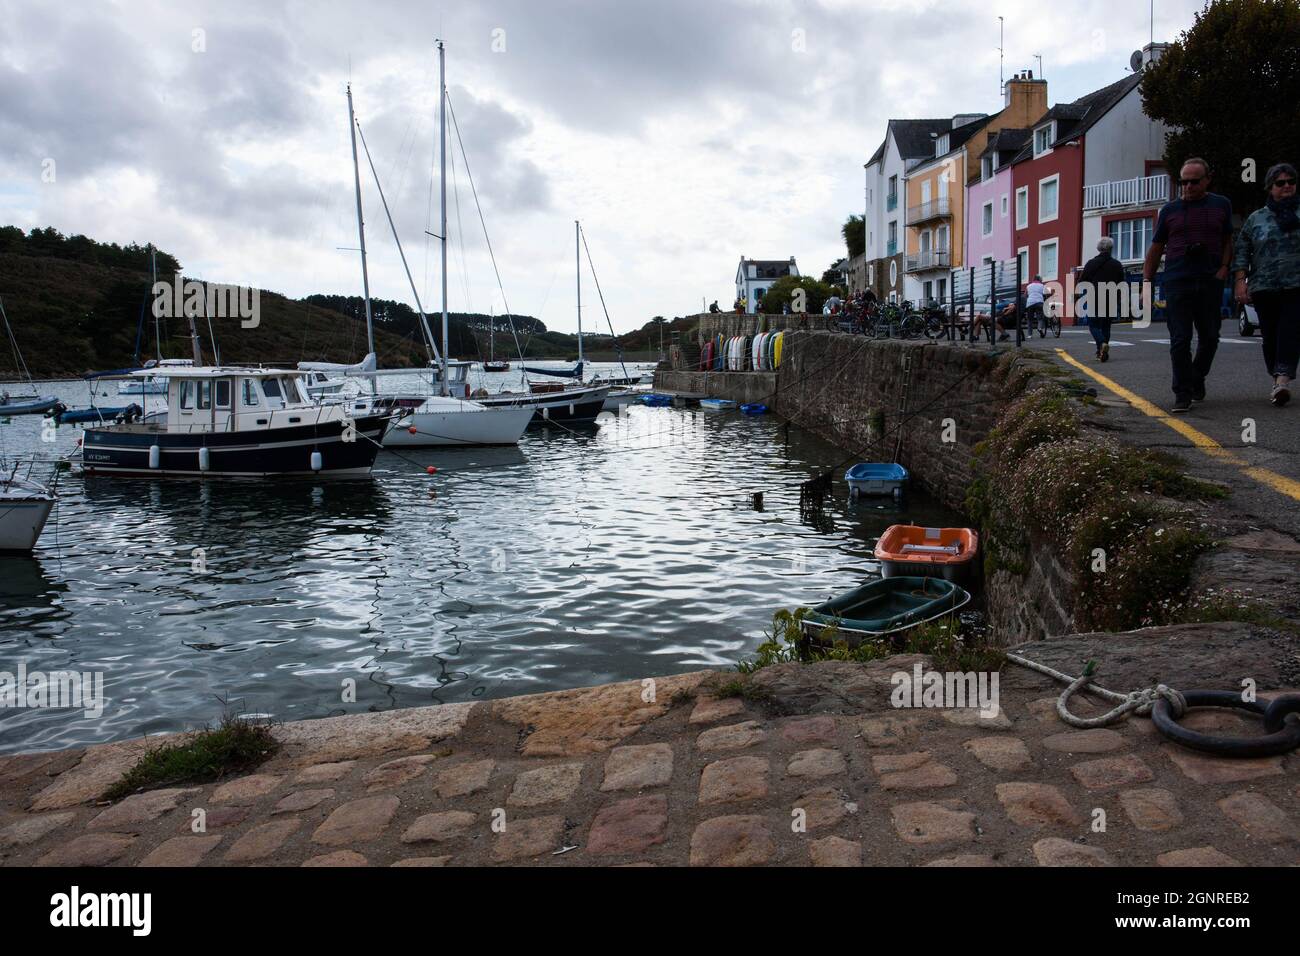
<point x="885" y="606"/>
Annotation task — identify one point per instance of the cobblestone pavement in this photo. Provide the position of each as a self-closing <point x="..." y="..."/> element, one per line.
<point x="813" y="767"/>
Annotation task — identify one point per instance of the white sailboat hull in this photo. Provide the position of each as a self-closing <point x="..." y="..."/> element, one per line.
<point x="23" y="512"/>
<point x="448" y="422"/>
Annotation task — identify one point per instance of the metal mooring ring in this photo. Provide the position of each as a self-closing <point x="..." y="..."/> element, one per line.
<point x="1284" y="735"/>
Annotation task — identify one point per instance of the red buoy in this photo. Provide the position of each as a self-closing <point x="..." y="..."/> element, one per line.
<point x="431" y="470"/>
<point x="413" y="430"/>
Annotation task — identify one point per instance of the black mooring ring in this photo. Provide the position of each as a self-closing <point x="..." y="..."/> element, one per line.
<point x="1283" y="738"/>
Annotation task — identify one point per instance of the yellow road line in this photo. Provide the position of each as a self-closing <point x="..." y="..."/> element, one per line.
<point x="1279" y="483"/>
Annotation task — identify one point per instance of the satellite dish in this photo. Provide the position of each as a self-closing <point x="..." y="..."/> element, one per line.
<point x="1135" y="61"/>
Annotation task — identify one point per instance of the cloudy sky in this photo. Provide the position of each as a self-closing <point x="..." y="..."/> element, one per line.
<point x="683" y="133"/>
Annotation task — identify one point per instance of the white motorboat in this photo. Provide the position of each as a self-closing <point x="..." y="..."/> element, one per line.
<point x="25" y="506"/>
<point x="318" y="384"/>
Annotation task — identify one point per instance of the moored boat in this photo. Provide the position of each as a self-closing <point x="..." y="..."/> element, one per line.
<point x="881" y="607"/>
<point x="876" y="479"/>
<point x="230" y="421"/>
<point x="25" y="506"/>
<point x="908" y="550"/>
<point x="717" y="404"/>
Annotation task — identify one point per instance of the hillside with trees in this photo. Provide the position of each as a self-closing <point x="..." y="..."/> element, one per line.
<point x="77" y="305"/>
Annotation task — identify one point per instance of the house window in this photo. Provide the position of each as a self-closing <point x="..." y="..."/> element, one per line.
<point x="1132" y="237"/>
<point x="941" y="239"/>
<point x="1004" y="206"/>
<point x="941" y="287"/>
<point x="941" y="145"/>
<point x="987" y="224"/>
<point x="1047" y="256"/>
<point x="928" y="292"/>
<point x="1022" y="256"/>
<point x="925" y="192"/>
<point x="1048" y="195"/>
<point x="1022" y="207"/>
<point x="986" y="168"/>
<point x="1043" y="137"/>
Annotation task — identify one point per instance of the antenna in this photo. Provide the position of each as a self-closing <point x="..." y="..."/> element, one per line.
<point x="1002" y="37"/>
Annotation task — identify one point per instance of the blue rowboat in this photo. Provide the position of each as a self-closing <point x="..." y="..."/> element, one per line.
<point x="754" y="409"/>
<point x="884" y="606"/>
<point x="717" y="404"/>
<point x="78" y="416"/>
<point x="876" y="479"/>
<point x="657" y="401"/>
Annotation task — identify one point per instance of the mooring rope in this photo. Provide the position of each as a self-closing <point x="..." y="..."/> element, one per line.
<point x="1139" y="701"/>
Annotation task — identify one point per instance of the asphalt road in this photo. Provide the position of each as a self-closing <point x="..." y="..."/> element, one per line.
<point x="1263" y="468"/>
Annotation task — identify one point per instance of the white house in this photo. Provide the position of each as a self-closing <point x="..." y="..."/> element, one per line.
<point x="755" y="276"/>
<point x="1125" y="181"/>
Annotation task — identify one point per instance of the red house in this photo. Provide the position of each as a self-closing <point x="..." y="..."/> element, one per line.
<point x="1047" y="182"/>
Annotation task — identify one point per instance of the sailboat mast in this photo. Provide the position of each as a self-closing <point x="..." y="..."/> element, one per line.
<point x="361" y="230"/>
<point x="442" y="190"/>
<point x="577" y="261"/>
<point x="153" y="281"/>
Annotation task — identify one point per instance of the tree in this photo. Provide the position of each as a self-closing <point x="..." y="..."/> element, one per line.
<point x="854" y="231"/>
<point x="780" y="293"/>
<point x="1226" y="89"/>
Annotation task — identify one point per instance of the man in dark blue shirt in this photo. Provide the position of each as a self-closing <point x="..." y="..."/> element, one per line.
<point x="1194" y="234"/>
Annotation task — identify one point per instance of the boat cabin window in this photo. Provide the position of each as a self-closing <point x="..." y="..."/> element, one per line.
<point x="205" y="393"/>
<point x="187" y="394"/>
<point x="292" y="392"/>
<point x="223" y="393"/>
<point x="250" y="392"/>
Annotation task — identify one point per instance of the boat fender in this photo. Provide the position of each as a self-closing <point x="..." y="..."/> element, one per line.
<point x="546" y="412"/>
<point x="205" y="459"/>
<point x="571" y="409"/>
<point x="155" y="456"/>
<point x="316" y="461"/>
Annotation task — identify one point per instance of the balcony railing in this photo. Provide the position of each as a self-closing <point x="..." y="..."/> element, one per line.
<point x="937" y="209"/>
<point x="891" y="203"/>
<point x="1142" y="191"/>
<point x="934" y="259"/>
<point x="892" y="248"/>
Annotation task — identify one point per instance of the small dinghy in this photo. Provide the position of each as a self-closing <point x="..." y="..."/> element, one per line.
<point x="876" y="479"/>
<point x="78" y="416"/>
<point x="657" y="401"/>
<point x="29" y="405"/>
<point x="883" y="606"/>
<point x="905" y="550"/>
<point x="754" y="409"/>
<point x="717" y="404"/>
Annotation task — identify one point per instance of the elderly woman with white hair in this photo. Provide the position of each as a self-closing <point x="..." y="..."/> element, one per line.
<point x="1102" y="271"/>
<point x="1267" y="267"/>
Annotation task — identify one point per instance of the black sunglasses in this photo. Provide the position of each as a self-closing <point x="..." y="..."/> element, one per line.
<point x="1284" y="182"/>
<point x="1190" y="182"/>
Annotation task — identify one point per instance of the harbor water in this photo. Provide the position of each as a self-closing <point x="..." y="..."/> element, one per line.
<point x="627" y="550"/>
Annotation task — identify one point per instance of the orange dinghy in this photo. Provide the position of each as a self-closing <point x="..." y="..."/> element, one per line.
<point x="906" y="550"/>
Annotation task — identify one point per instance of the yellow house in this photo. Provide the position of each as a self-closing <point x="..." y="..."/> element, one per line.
<point x="936" y="188"/>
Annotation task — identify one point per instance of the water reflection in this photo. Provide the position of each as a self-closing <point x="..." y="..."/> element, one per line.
<point x="618" y="552"/>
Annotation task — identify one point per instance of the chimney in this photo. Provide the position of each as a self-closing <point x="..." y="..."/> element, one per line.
<point x="1153" y="52"/>
<point x="1026" y="99"/>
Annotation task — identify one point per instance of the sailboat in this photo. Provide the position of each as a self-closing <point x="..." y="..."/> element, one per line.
<point x="492" y="365"/>
<point x="555" y="402"/>
<point x="428" y="420"/>
<point x="25" y="506"/>
<point x="30" y="404"/>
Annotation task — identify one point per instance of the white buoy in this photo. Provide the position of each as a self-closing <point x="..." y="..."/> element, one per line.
<point x="316" y="461"/>
<point x="205" y="461"/>
<point x="155" y="456"/>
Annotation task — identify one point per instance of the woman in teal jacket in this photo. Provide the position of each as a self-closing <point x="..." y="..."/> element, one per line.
<point x="1267" y="267"/>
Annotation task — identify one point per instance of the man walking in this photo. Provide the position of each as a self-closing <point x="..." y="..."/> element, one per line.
<point x="1101" y="283"/>
<point x="1194" y="234"/>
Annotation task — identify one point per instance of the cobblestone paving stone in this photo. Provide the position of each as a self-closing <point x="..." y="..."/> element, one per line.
<point x="821" y="771"/>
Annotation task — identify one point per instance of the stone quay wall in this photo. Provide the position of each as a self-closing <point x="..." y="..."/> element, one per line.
<point x="926" y="405"/>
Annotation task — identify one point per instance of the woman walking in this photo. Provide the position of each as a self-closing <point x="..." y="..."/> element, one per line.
<point x="1267" y="267"/>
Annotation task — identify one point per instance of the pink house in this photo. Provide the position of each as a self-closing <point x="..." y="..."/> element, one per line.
<point x="990" y="226"/>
